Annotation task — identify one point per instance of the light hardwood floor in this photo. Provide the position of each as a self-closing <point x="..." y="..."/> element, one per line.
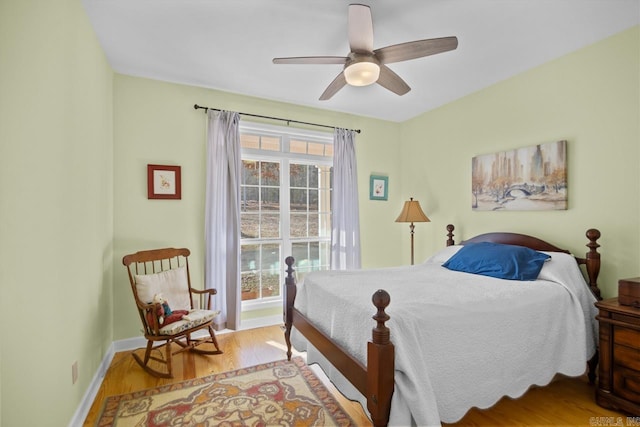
<point x="565" y="402"/>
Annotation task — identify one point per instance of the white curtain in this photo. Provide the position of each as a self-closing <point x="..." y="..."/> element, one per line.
<point x="222" y="215"/>
<point x="345" y="223"/>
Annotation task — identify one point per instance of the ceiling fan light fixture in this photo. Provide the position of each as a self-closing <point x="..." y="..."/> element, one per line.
<point x="362" y="73"/>
<point x="365" y="65"/>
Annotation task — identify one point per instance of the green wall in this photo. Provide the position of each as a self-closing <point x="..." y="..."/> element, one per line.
<point x="590" y="98"/>
<point x="155" y="122"/>
<point x="56" y="208"/>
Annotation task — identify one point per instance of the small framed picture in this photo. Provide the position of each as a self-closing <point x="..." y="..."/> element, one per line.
<point x="378" y="187"/>
<point x="163" y="182"/>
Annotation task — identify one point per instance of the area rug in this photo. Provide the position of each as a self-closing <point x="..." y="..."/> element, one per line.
<point x="272" y="394"/>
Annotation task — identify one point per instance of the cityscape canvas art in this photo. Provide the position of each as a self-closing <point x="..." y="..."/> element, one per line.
<point x="525" y="179"/>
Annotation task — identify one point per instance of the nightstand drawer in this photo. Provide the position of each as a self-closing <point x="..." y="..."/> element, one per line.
<point x="626" y="383"/>
<point x="631" y="320"/>
<point x="627" y="337"/>
<point x="626" y="356"/>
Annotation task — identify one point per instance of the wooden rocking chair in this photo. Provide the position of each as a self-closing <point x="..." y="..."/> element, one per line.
<point x="163" y="275"/>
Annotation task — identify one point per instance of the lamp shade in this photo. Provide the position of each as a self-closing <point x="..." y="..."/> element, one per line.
<point x="412" y="212"/>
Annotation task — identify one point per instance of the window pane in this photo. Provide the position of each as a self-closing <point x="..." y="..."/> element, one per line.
<point x="313" y="176"/>
<point x="249" y="285"/>
<point x="270" y="172"/>
<point x="270" y="199"/>
<point x="249" y="172"/>
<point x="270" y="143"/>
<point x="298" y="200"/>
<point x="300" y="251"/>
<point x="313" y="200"/>
<point x="297" y="146"/>
<point x="249" y="141"/>
<point x="271" y="257"/>
<point x="250" y="258"/>
<point x="270" y="284"/>
<point x="314" y="253"/>
<point x="270" y="225"/>
<point x="316" y="149"/>
<point x="313" y="225"/>
<point x="298" y="175"/>
<point x="249" y="199"/>
<point x="298" y="225"/>
<point x="310" y="256"/>
<point x="249" y="226"/>
<point x="270" y="270"/>
<point x="328" y="150"/>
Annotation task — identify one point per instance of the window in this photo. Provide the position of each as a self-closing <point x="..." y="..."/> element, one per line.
<point x="285" y="196"/>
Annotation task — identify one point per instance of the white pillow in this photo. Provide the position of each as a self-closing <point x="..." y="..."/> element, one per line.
<point x="444" y="254"/>
<point x="172" y="284"/>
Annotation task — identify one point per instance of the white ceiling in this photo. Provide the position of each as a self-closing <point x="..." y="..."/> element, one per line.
<point x="229" y="45"/>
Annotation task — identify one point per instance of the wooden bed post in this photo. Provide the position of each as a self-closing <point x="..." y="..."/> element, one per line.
<point x="593" y="261"/>
<point x="380" y="364"/>
<point x="450" y="241"/>
<point x="290" y="290"/>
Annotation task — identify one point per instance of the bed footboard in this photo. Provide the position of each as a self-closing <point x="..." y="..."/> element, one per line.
<point x="374" y="381"/>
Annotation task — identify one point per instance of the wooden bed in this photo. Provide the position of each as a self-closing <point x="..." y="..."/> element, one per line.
<point x="376" y="380"/>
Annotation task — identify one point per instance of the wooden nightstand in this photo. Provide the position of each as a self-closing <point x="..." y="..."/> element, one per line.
<point x="619" y="370"/>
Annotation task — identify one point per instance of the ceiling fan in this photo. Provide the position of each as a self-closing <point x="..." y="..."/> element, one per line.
<point x="364" y="65"/>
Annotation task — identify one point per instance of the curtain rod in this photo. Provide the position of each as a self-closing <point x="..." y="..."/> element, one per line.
<point x="198" y="107"/>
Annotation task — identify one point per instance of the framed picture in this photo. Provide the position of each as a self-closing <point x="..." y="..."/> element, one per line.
<point x="378" y="187"/>
<point x="532" y="178"/>
<point x="163" y="182"/>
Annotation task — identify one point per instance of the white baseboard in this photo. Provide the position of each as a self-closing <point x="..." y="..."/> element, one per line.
<point x="136" y="342"/>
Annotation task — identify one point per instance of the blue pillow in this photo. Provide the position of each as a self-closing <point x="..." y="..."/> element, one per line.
<point x="498" y="260"/>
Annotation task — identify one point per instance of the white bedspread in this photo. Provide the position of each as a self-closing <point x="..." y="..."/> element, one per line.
<point x="461" y="340"/>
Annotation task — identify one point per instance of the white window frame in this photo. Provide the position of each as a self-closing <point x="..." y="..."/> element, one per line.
<point x="284" y="157"/>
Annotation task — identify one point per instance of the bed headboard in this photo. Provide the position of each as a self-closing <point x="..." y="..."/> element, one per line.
<point x="591" y="261"/>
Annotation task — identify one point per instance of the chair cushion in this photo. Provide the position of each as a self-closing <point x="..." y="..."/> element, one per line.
<point x="194" y="318"/>
<point x="172" y="284"/>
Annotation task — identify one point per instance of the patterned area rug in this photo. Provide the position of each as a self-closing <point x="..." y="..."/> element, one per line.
<point x="272" y="394"/>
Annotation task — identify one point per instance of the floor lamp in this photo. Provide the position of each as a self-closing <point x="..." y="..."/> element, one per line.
<point x="412" y="212"/>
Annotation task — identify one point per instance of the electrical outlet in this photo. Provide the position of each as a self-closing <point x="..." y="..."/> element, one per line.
<point x="74" y="372"/>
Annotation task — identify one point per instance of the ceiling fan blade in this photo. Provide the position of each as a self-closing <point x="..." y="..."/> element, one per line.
<point x="415" y="49"/>
<point x="390" y="80"/>
<point x="360" y="28"/>
<point x="338" y="83"/>
<point x="311" y="60"/>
